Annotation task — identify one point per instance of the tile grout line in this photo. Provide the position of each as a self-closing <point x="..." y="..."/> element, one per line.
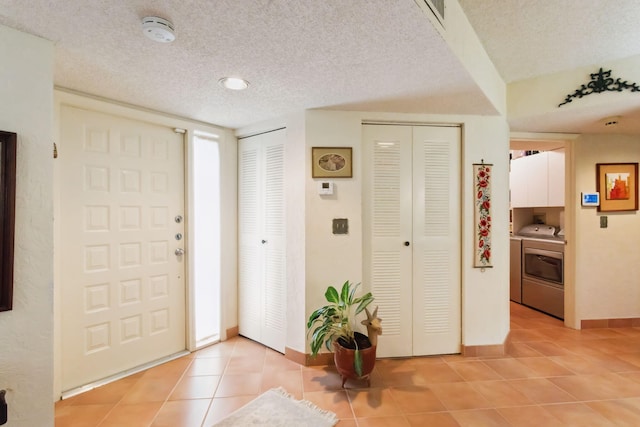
<point x="226" y="365"/>
<point x="164" y="402"/>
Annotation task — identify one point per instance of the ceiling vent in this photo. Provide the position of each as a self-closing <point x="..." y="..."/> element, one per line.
<point x="435" y="7"/>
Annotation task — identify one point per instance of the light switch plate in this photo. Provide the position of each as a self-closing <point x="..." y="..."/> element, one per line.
<point x="603" y="222"/>
<point x="340" y="226"/>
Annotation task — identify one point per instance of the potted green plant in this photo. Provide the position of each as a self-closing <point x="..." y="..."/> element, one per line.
<point x="334" y="325"/>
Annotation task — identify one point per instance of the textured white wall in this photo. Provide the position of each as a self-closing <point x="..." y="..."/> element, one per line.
<point x="295" y="155"/>
<point x="26" y="357"/>
<point x="533" y="103"/>
<point x="485" y="294"/>
<point x="316" y="258"/>
<point x="607" y="263"/>
<point x="463" y="41"/>
<point x="332" y="259"/>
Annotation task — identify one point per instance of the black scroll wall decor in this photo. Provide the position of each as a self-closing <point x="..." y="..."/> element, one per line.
<point x="600" y="82"/>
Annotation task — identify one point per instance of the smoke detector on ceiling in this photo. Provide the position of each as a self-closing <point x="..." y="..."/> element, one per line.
<point x="158" y="29"/>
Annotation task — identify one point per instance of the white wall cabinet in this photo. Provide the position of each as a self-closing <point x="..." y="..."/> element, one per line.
<point x="412" y="236"/>
<point x="556" y="178"/>
<point x="519" y="189"/>
<point x="261" y="271"/>
<point x="538" y="180"/>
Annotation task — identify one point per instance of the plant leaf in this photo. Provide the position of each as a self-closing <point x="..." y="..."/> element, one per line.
<point x="357" y="362"/>
<point x="353" y="293"/>
<point x="332" y="295"/>
<point x="364" y="302"/>
<point x="344" y="294"/>
<point x="315" y="316"/>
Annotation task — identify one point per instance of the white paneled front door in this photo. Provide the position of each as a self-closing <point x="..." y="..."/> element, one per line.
<point x="122" y="205"/>
<point x="412" y="236"/>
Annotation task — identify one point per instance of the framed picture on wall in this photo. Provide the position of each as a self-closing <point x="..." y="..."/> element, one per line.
<point x="617" y="184"/>
<point x="331" y="162"/>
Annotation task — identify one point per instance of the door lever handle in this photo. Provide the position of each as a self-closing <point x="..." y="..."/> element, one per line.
<point x="179" y="252"/>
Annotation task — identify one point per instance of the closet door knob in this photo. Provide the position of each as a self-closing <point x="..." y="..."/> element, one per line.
<point x="407" y="243"/>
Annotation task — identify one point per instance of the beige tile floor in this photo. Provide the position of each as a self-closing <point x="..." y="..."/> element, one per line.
<point x="552" y="376"/>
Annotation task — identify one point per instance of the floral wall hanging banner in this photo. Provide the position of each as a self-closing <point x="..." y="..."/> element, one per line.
<point x="482" y="215"/>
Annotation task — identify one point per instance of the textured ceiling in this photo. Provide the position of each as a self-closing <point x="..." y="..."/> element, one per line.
<point x="376" y="55"/>
<point x="526" y="38"/>
<point x="369" y="55"/>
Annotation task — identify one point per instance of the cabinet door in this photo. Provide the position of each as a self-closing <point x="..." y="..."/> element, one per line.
<point x="518" y="183"/>
<point x="537" y="179"/>
<point x="261" y="290"/>
<point x="556" y="178"/>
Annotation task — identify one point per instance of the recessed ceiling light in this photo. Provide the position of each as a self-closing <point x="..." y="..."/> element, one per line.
<point x="158" y="29"/>
<point x="234" y="83"/>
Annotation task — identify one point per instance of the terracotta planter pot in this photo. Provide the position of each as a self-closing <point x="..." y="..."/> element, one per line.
<point x="344" y="358"/>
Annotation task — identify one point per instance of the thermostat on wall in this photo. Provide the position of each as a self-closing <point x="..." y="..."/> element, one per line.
<point x="590" y="199"/>
<point x="325" y="188"/>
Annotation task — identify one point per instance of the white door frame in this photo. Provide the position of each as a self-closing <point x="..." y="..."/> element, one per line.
<point x="228" y="314"/>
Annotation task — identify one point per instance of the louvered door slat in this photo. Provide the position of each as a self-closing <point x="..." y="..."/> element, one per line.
<point x="438" y="186"/>
<point x="436" y="230"/>
<point x="274" y="280"/>
<point x="387" y="289"/>
<point x="387" y="151"/>
<point x="386" y="189"/>
<point x="436" y="296"/>
<point x="274" y="190"/>
<point x="249" y="260"/>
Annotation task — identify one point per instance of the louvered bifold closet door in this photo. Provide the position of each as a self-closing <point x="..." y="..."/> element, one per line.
<point x="262" y="293"/>
<point x="411" y="237"/>
<point x="274" y="275"/>
<point x="250" y="248"/>
<point x="436" y="240"/>
<point x="388" y="220"/>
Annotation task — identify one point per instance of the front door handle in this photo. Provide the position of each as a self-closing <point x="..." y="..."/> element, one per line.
<point x="179" y="252"/>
